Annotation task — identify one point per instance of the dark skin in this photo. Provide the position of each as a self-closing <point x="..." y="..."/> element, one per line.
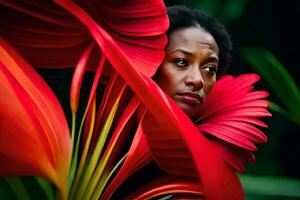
<point x="188" y="71"/>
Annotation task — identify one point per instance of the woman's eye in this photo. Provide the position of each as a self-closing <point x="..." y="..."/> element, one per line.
<point x="181" y="62"/>
<point x="211" y="68"/>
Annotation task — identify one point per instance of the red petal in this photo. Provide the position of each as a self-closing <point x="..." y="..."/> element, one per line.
<point x="235" y="156"/>
<point x="43" y="30"/>
<point x="229" y="113"/>
<point x="33" y="128"/>
<point x="138" y="156"/>
<point x="169" y="185"/>
<point x="77" y="78"/>
<point x="40" y="30"/>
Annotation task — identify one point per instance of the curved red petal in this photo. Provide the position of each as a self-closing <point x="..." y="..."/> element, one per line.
<point x="138" y="156"/>
<point x="231" y="113"/>
<point x="77" y="78"/>
<point x="167" y="185"/>
<point x="40" y="30"/>
<point x="33" y="128"/>
<point x="43" y="30"/>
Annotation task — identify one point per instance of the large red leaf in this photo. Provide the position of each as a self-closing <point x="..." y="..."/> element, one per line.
<point x="43" y="33"/>
<point x="41" y="30"/>
<point x="34" y="135"/>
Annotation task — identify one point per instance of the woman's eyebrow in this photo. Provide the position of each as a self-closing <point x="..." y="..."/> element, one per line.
<point x="213" y="59"/>
<point x="186" y="52"/>
<point x="182" y="51"/>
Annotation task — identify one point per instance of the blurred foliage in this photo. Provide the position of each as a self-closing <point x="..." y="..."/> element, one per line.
<point x="35" y="188"/>
<point x="279" y="79"/>
<point x="227" y="11"/>
<point x="281" y="187"/>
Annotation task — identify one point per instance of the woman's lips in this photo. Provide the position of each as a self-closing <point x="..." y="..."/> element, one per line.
<point x="190" y="97"/>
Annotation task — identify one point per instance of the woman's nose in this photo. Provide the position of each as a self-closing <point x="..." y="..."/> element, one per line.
<point x="194" y="79"/>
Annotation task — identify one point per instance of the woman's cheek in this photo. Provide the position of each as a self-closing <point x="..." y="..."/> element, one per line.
<point x="208" y="87"/>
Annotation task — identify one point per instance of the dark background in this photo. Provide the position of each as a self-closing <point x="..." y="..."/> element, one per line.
<point x="275" y="26"/>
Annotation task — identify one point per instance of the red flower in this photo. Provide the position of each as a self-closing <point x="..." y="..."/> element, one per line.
<point x="229" y="118"/>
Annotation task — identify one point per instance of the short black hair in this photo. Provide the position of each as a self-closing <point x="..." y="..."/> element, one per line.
<point x="183" y="17"/>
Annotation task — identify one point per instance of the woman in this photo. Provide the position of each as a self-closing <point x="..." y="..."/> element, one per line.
<point x="198" y="50"/>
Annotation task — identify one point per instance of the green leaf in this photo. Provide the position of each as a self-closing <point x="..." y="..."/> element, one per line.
<point x="75" y="148"/>
<point x="278" y="78"/>
<point x="103" y="182"/>
<point x="232" y="10"/>
<point x="26" y="187"/>
<point x="166" y="197"/>
<point x="46" y="187"/>
<point x="273" y="186"/>
<point x="18" y="187"/>
<point x="226" y="11"/>
<point x="279" y="109"/>
<point x="3" y="194"/>
<point x="6" y="192"/>
<point x="209" y="6"/>
<point x="92" y="163"/>
<point x="77" y="178"/>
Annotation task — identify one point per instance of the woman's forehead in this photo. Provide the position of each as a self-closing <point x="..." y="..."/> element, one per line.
<point x="191" y="38"/>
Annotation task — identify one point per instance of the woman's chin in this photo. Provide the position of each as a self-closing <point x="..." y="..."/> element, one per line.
<point x="189" y="110"/>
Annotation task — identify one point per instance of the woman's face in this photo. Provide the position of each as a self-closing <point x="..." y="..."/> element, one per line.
<point x="188" y="71"/>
